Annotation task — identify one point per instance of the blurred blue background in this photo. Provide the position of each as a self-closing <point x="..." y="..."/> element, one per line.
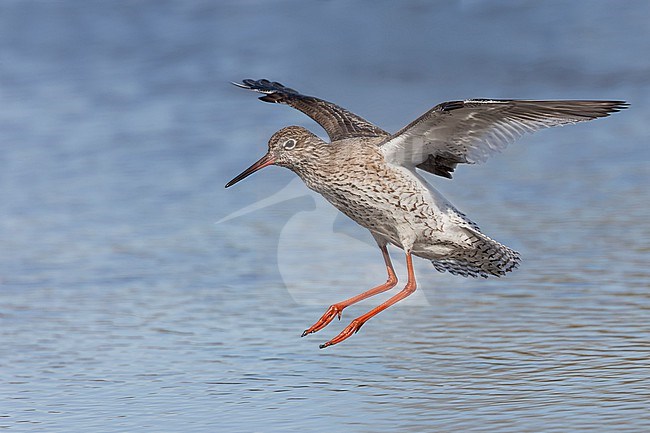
<point x="124" y="307"/>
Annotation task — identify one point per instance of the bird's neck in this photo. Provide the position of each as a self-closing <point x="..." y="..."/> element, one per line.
<point x="316" y="169"/>
<point x="335" y="164"/>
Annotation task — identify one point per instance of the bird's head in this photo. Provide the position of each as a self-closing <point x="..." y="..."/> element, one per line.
<point x="291" y="147"/>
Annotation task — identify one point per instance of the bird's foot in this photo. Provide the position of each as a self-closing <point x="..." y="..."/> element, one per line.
<point x="332" y="312"/>
<point x="350" y="330"/>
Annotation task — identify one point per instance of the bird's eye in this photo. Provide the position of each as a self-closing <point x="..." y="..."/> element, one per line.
<point x="289" y="144"/>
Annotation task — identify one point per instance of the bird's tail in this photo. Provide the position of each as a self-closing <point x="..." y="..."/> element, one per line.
<point x="483" y="258"/>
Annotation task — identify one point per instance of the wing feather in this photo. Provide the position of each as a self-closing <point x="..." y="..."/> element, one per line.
<point x="338" y="122"/>
<point x="470" y="131"/>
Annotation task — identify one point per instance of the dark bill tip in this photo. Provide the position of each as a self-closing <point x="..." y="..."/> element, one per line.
<point x="263" y="162"/>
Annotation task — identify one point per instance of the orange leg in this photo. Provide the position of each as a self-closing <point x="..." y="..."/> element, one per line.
<point x="336" y="309"/>
<point x="357" y="323"/>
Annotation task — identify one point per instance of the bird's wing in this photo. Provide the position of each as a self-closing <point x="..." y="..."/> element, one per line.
<point x="469" y="131"/>
<point x="338" y="122"/>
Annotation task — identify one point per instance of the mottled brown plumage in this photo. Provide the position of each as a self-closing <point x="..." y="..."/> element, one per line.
<point x="371" y="177"/>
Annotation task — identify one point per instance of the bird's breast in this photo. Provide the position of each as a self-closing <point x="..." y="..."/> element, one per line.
<point x="378" y="197"/>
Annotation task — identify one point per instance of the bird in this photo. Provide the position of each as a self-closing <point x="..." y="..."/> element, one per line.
<point x="375" y="178"/>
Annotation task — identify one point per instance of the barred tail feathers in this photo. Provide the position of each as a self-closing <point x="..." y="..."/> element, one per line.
<point x="485" y="257"/>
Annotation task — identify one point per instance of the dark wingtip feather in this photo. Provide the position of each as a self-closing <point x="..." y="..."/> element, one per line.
<point x="618" y="106"/>
<point x="265" y="86"/>
<point x="596" y="109"/>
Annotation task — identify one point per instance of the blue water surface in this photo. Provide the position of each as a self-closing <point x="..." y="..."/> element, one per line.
<point x="128" y="303"/>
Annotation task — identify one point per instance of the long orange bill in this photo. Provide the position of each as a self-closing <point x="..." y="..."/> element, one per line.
<point x="263" y="162"/>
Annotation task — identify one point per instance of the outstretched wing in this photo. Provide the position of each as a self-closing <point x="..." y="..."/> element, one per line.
<point x="469" y="131"/>
<point x="338" y="122"/>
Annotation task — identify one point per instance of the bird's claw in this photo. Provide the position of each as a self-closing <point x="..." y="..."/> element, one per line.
<point x="349" y="331"/>
<point x="332" y="311"/>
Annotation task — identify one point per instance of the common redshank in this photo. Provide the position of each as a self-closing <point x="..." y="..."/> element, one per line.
<point x="371" y="176"/>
